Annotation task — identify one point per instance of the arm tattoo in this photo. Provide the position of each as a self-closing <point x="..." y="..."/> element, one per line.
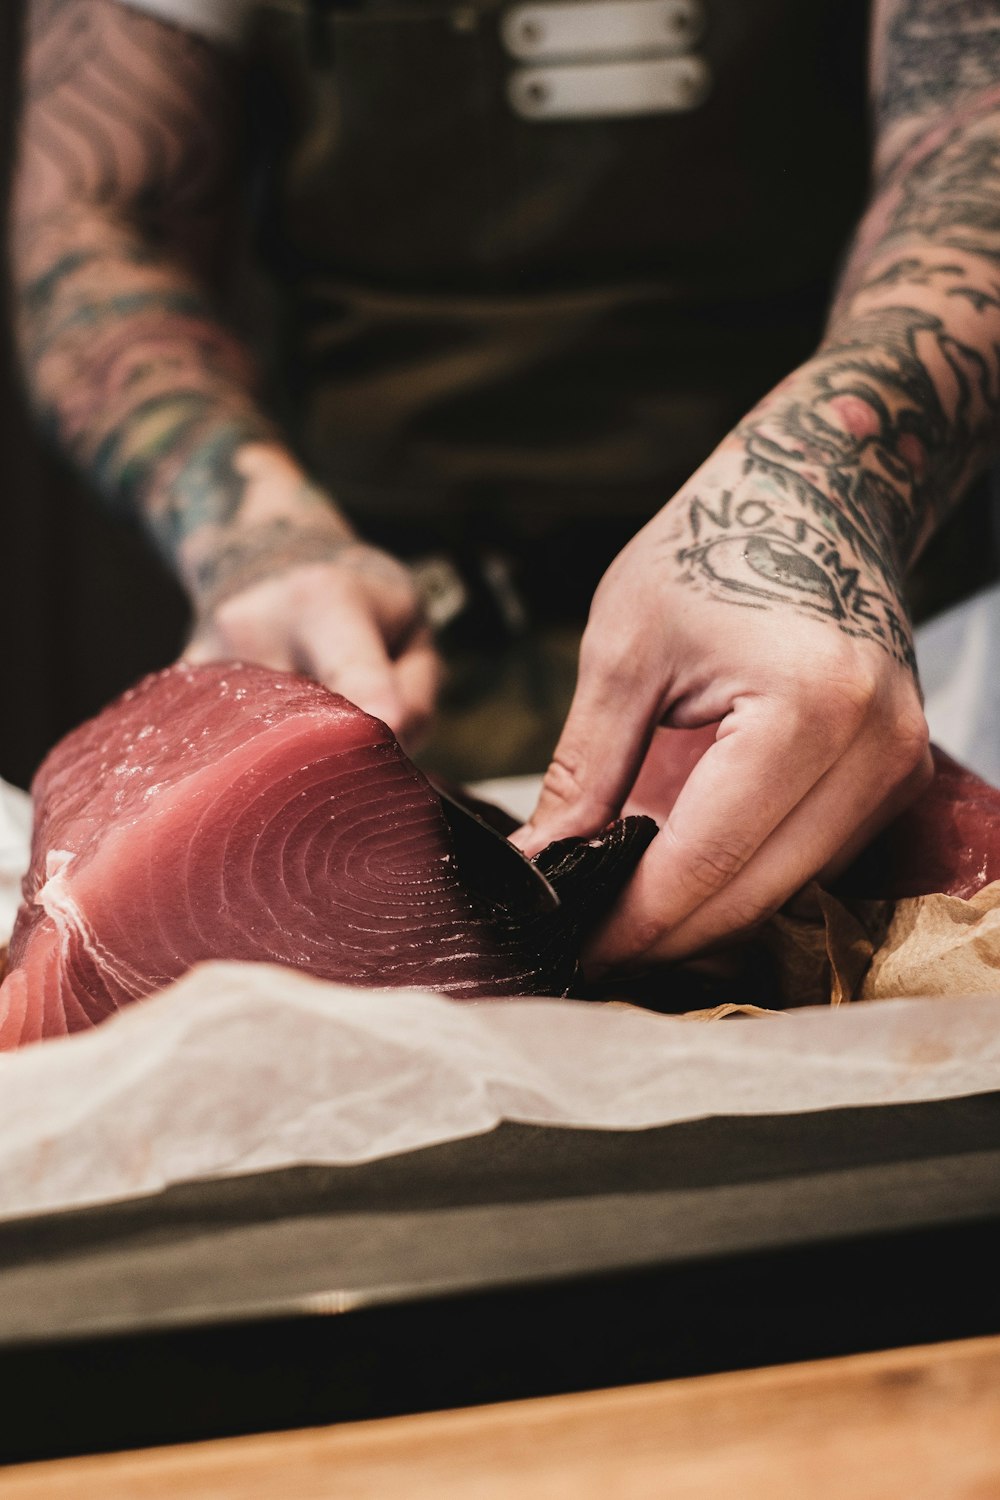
<point x="847" y="467"/>
<point x="764" y="551"/>
<point x="127" y="113"/>
<point x="127" y="152"/>
<point x="934" y="52"/>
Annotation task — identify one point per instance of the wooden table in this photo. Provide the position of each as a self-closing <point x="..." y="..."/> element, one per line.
<point x="921" y="1423"/>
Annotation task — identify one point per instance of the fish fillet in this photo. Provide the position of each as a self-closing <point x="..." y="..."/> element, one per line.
<point x="232" y="812"/>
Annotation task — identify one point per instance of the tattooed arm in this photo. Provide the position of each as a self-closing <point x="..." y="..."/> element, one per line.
<point x="127" y="154"/>
<point x="762" y="608"/>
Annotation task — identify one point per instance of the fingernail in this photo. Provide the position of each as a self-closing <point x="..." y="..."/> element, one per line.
<point x="527" y="839"/>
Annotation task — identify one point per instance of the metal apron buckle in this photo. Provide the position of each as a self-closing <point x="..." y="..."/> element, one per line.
<point x="587" y="59"/>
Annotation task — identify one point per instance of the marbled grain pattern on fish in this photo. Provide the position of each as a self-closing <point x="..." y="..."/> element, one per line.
<point x="231" y="812"/>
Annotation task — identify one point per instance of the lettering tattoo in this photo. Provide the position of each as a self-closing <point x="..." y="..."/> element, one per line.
<point x="843" y="469"/>
<point x="127" y="164"/>
<point x="762" y="553"/>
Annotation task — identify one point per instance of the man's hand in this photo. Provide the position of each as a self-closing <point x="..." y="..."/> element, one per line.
<point x="278" y="577"/>
<point x="765" y="598"/>
<point x="761" y="612"/>
<point x="352" y="621"/>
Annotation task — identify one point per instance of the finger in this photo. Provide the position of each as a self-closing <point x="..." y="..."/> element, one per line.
<point x="766" y="759"/>
<point x="809" y="838"/>
<point x="849" y="802"/>
<point x="897" y="802"/>
<point x="670" y="759"/>
<point x="418" y="674"/>
<point x="199" y="649"/>
<point x="263" y="651"/>
<point x="343" y="649"/>
<point x="398" y="609"/>
<point x="604" y="739"/>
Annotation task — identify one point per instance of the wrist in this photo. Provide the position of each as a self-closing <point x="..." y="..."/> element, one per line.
<point x="794" y="512"/>
<point x="266" y="518"/>
<point x="236" y="559"/>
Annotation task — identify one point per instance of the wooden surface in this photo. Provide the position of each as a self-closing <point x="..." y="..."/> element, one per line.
<point x="923" y="1424"/>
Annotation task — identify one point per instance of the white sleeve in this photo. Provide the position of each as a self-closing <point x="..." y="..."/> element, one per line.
<point x="223" y="20"/>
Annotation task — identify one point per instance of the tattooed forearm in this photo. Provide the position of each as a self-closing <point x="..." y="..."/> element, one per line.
<point x="125" y="112"/>
<point x="936" y="86"/>
<point x="945" y="191"/>
<point x="933" y="52"/>
<point x="894" y="415"/>
<point x="126" y="158"/>
<point x="143" y="387"/>
<point x="836" y="480"/>
<point x="845" y="467"/>
<point x="926" y="262"/>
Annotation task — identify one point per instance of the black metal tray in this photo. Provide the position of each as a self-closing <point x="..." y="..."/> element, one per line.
<point x="513" y="1264"/>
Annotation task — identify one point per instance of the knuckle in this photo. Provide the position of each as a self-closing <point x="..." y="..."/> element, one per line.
<point x="852" y="695"/>
<point x="562" y="780"/>
<point x="596" y="652"/>
<point x="749" y="912"/>
<point x="611" y="665"/>
<point x="566" y="790"/>
<point x="838" y="696"/>
<point x="714" y="863"/>
<point x="645" y="936"/>
<point x="909" y="737"/>
<point x="371" y="567"/>
<point x="314" y="584"/>
<point x="239" y="619"/>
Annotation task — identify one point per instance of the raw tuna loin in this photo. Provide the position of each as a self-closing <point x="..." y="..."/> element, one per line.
<point x="948" y="841"/>
<point x="231" y="812"/>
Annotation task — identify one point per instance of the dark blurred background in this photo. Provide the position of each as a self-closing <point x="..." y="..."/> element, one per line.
<point x="85" y="607"/>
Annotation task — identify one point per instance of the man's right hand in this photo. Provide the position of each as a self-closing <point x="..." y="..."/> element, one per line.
<point x="277" y="576"/>
<point x="352" y="620"/>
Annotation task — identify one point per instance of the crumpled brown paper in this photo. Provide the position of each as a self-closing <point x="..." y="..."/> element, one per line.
<point x="822" y="948"/>
<point x="828" y="951"/>
<point x="938" y="945"/>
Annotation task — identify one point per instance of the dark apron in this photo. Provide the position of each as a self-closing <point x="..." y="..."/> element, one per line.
<point x="561" y="315"/>
<point x="513" y="338"/>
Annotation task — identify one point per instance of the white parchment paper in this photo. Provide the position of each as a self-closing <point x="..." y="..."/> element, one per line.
<point x="244" y="1067"/>
<point x="15" y="843"/>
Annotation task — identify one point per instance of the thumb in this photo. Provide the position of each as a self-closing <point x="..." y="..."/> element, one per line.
<point x="604" y="740"/>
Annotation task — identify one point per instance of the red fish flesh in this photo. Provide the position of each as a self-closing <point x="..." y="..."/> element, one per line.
<point x="946" y="842"/>
<point x="231" y="812"/>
